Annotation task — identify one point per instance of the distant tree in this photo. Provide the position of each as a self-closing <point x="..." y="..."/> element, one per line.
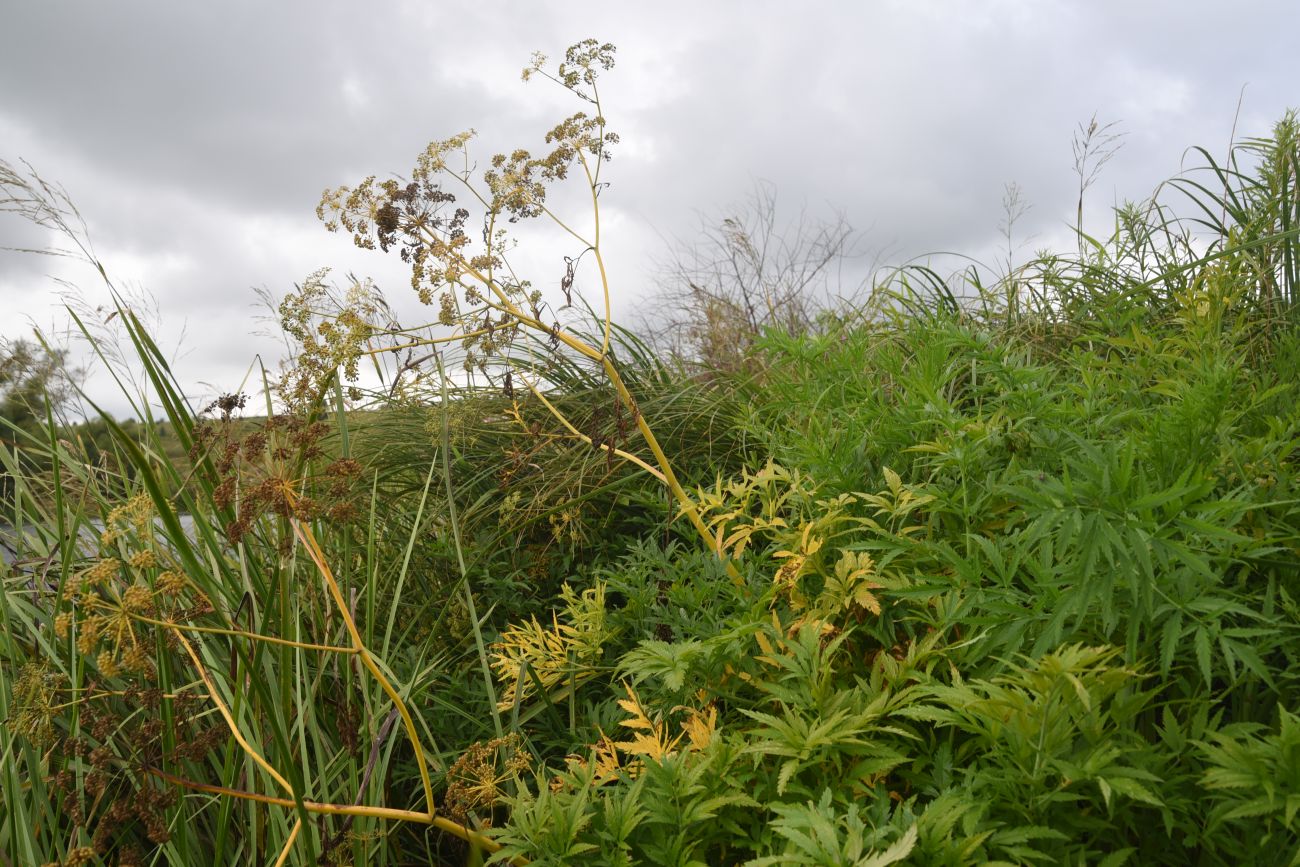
<point x="34" y="383"/>
<point x="34" y="386"/>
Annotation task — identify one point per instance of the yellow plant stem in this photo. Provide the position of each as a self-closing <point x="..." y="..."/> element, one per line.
<point x="288" y="844"/>
<point x="388" y="813"/>
<point x="689" y="509"/>
<point x="304" y="534"/>
<point x="595" y="249"/>
<point x="670" y="478"/>
<point x="607" y="363"/>
<point x="510" y="307"/>
<point x="426" y="341"/>
<point x="228" y="717"/>
<point x="239" y="633"/>
<point x="103" y="693"/>
<point x="628" y="456"/>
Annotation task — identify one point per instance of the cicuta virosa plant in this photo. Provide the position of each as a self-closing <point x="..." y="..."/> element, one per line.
<point x="455" y="227"/>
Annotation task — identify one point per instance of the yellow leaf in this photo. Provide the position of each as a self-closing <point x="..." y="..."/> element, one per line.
<point x="644" y="745"/>
<point x="607" y="763"/>
<point x="700" y="726"/>
<point x="632" y="705"/>
<point x="788" y="574"/>
<point x="866" y="599"/>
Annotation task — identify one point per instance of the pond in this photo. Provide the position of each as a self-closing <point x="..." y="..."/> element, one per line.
<point x="31" y="549"/>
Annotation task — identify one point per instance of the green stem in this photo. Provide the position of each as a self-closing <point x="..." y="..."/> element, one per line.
<point x="460" y="554"/>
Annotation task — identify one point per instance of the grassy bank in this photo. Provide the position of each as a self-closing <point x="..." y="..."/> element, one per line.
<point x="983" y="569"/>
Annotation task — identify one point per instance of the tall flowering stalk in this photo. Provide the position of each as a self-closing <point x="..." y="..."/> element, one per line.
<point x="454" y="227"/>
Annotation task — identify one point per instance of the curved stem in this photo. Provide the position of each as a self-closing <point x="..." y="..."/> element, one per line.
<point x="689" y="509"/>
<point x="288" y="844"/>
<point x="508" y="306"/>
<point x="565" y="226"/>
<point x="594" y="185"/>
<point x="670" y="478"/>
<point x="425" y="341"/>
<point x="319" y="808"/>
<point x="238" y="633"/>
<point x="600" y="355"/>
<point x="628" y="456"/>
<point x="304" y="534"/>
<point x="229" y="718"/>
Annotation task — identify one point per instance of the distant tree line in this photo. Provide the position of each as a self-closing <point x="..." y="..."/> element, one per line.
<point x="37" y="392"/>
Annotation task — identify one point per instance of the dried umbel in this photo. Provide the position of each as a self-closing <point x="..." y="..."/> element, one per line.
<point x="478" y="779"/>
<point x="274" y="469"/>
<point x="326" y="344"/>
<point x="451" y="227"/>
<point x="455" y="227"/>
<point x="112" y="604"/>
<point x="111" y="799"/>
<point x="135" y="515"/>
<point x="35" y="699"/>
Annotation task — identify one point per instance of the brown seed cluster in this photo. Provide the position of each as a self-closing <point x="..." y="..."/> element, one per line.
<point x="476" y="779"/>
<point x="227" y="404"/>
<point x="252" y="472"/>
<point x="115" y="803"/>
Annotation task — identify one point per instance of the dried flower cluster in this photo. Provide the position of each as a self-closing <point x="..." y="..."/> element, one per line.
<point x="122" y="810"/>
<point x="35" y="698"/>
<point x="331" y="333"/>
<point x="134" y="515"/>
<point x="458" y="250"/>
<point x="111" y="600"/>
<point x="252" y="473"/>
<point x="477" y="779"/>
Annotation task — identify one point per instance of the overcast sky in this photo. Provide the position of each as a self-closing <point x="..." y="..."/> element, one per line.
<point x="195" y="138"/>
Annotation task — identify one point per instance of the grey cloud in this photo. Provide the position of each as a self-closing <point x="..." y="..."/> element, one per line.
<point x="181" y="129"/>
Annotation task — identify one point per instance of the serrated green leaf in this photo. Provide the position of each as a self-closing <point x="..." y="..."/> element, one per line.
<point x="899" y="850"/>
<point x="1202" y="644"/>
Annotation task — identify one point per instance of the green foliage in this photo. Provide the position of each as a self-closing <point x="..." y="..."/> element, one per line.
<point x="1254" y="783"/>
<point x="33" y="389"/>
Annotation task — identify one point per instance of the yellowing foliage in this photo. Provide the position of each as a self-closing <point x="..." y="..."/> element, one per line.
<point x="559" y="657"/>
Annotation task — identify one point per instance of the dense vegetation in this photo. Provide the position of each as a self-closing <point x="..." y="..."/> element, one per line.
<point x="981" y="569"/>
